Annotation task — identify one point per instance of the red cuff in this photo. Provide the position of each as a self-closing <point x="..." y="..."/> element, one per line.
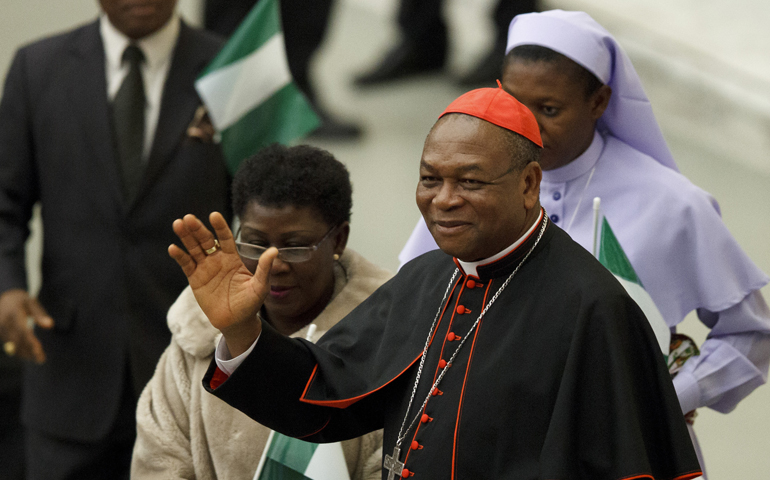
<point x="218" y="379"/>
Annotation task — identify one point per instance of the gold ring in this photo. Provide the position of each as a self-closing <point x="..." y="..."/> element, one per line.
<point x="213" y="249"/>
<point x="9" y="348"/>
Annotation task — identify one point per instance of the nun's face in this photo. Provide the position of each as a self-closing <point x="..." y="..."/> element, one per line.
<point x="566" y="115"/>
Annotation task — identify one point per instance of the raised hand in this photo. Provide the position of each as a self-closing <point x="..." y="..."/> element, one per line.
<point x="226" y="291"/>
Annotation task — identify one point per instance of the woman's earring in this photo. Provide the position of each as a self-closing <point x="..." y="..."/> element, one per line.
<point x="336" y="256"/>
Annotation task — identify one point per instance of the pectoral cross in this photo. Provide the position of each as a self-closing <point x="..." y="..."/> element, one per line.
<point x="392" y="465"/>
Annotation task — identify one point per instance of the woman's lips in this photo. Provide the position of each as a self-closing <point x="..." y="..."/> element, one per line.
<point x="279" y="292"/>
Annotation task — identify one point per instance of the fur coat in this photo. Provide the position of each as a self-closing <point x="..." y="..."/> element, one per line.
<point x="185" y="433"/>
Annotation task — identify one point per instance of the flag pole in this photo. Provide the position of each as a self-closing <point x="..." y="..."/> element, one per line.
<point x="263" y="459"/>
<point x="595" y="243"/>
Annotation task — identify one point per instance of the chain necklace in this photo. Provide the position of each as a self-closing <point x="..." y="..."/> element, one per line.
<point x="391" y="463"/>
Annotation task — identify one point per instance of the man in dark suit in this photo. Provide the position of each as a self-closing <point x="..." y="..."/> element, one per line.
<point x="94" y="125"/>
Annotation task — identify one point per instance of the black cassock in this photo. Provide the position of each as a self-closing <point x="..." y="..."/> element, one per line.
<point x="562" y="379"/>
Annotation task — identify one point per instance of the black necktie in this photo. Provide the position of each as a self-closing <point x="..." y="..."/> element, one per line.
<point x="128" y="120"/>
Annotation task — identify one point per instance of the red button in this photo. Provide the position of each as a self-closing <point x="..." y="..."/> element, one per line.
<point x="450" y="336"/>
<point x="405" y="473"/>
<point x="425" y="418"/>
<point x="436" y="392"/>
<point x="416" y="446"/>
<point x="470" y="284"/>
<point x="441" y="363"/>
<point x="460" y="309"/>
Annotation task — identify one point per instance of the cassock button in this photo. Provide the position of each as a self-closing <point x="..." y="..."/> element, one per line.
<point x="416" y="445"/>
<point x="441" y="363"/>
<point x="556" y="195"/>
<point x="461" y="309"/>
<point x="425" y="418"/>
<point x="436" y="392"/>
<point x="555" y="218"/>
<point x="405" y="473"/>
<point x="450" y="336"/>
<point x="470" y="284"/>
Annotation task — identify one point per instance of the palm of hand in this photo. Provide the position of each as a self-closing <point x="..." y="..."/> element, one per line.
<point x="225" y="289"/>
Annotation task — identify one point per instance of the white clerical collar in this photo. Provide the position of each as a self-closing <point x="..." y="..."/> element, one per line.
<point x="579" y="166"/>
<point x="156" y="47"/>
<point x="470" y="267"/>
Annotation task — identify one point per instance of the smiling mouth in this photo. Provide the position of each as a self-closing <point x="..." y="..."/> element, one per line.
<point x="449" y="227"/>
<point x="279" y="292"/>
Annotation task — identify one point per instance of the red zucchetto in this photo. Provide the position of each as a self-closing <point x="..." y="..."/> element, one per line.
<point x="497" y="106"/>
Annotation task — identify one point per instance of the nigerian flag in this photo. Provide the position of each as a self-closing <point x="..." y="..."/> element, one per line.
<point x="287" y="458"/>
<point x="248" y="89"/>
<point x="612" y="256"/>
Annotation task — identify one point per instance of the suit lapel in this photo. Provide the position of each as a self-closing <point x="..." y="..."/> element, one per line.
<point x="177" y="108"/>
<point x="89" y="98"/>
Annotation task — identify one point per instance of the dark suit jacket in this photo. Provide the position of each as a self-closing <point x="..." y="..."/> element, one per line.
<point x="107" y="278"/>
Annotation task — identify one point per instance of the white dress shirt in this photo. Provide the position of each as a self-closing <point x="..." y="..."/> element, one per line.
<point x="157" y="48"/>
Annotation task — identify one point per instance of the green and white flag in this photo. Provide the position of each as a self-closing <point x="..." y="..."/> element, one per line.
<point x="249" y="92"/>
<point x="287" y="458"/>
<point x="612" y="256"/>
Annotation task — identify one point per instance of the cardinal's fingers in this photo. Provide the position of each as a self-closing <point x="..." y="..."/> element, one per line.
<point x="206" y="240"/>
<point x="191" y="244"/>
<point x="261" y="280"/>
<point x="185" y="261"/>
<point x="223" y="232"/>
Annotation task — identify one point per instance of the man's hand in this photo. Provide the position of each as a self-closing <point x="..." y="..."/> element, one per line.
<point x="16" y="334"/>
<point x="226" y="291"/>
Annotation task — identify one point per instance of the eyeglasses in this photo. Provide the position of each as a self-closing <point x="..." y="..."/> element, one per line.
<point x="288" y="255"/>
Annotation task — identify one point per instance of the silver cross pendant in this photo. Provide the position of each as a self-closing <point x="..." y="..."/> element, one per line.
<point x="392" y="465"/>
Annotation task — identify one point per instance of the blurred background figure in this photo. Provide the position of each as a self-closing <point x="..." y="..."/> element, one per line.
<point x="93" y="126"/>
<point x="424" y="44"/>
<point x="305" y="24"/>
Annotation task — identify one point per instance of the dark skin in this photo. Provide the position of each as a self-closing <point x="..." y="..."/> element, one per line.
<point x="136" y="19"/>
<point x="474" y="199"/>
<point x="298" y="291"/>
<point x="471" y="181"/>
<point x="566" y="115"/>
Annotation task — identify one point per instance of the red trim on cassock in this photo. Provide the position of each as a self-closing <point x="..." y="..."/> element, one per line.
<point x="465" y="381"/>
<point x="476" y="278"/>
<point x="539" y="219"/>
<point x="218" y="378"/>
<point x="346" y="402"/>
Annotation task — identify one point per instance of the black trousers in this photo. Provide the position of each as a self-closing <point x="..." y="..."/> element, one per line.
<point x="422" y="22"/>
<point x="11" y="431"/>
<point x="304" y="26"/>
<point x="52" y="458"/>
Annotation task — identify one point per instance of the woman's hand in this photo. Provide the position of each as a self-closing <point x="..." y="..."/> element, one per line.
<point x="226" y="291"/>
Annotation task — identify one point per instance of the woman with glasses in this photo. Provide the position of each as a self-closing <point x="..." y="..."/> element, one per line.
<point x="304" y="211"/>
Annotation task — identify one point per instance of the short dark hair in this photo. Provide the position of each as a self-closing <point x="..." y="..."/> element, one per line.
<point x="538" y="53"/>
<point x="302" y="176"/>
<point x="522" y="150"/>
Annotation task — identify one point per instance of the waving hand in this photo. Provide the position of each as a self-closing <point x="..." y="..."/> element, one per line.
<point x="227" y="292"/>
